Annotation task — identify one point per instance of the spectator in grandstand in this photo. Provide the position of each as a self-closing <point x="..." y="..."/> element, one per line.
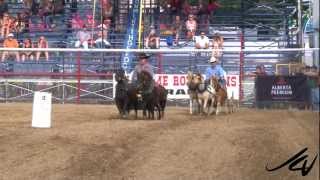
<point x="170" y="36"/>
<point x="10" y="42"/>
<point x="83" y="37"/>
<point x="101" y="41"/>
<point x="31" y="6"/>
<point x="143" y="65"/>
<point x="107" y="9"/>
<point x="202" y="41"/>
<point x="45" y="12"/>
<point x="208" y="7"/>
<point x="191" y="7"/>
<point x="27" y="43"/>
<point x="313" y="81"/>
<point x="177" y="29"/>
<point x="191" y="26"/>
<point x="58" y="6"/>
<point x="217" y="45"/>
<point x="19" y="23"/>
<point x="27" y="4"/>
<point x="259" y="71"/>
<point x="105" y="25"/>
<point x="76" y="22"/>
<point x="152" y="40"/>
<point x="175" y="7"/>
<point x="217" y="71"/>
<point x="90" y="22"/>
<point x="46" y="7"/>
<point x="42" y="43"/>
<point x="6" y="24"/>
<point x="3" y="8"/>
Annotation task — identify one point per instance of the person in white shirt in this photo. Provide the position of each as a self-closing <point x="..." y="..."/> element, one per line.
<point x="202" y="41"/>
<point x="82" y="38"/>
<point x="101" y="41"/>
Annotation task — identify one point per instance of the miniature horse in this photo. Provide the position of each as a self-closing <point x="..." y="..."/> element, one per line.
<point x="221" y="95"/>
<point x="153" y="96"/>
<point x="126" y="95"/>
<point x="199" y="91"/>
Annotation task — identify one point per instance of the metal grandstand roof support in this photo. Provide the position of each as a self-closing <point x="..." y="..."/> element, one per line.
<point x="78" y="76"/>
<point x="140" y="24"/>
<point x="315" y="15"/>
<point x="241" y="59"/>
<point x="300" y="28"/>
<point x="241" y="68"/>
<point x="93" y="15"/>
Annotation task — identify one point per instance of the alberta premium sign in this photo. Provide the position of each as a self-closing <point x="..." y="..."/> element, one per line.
<point x="282" y="88"/>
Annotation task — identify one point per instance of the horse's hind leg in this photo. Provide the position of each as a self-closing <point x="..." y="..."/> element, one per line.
<point x="205" y="108"/>
<point x="191" y="106"/>
<point x="125" y="110"/>
<point x="160" y="111"/>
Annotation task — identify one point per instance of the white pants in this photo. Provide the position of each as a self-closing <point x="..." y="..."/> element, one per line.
<point x="84" y="44"/>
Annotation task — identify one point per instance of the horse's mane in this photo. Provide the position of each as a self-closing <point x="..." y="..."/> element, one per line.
<point x="218" y="86"/>
<point x="120" y="73"/>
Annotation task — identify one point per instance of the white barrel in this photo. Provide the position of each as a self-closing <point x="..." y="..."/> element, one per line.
<point x="41" y="114"/>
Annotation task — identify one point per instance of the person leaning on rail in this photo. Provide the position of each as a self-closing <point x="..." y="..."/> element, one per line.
<point x="10" y="42"/>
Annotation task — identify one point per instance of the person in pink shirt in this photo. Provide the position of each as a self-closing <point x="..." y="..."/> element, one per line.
<point x="191" y="26"/>
<point x="90" y="22"/>
<point x="77" y="22"/>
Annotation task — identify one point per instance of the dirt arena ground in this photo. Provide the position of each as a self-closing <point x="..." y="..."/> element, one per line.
<point x="89" y="142"/>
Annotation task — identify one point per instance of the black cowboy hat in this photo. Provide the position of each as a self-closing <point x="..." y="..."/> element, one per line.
<point x="143" y="56"/>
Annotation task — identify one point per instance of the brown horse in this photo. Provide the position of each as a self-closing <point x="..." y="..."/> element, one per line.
<point x="154" y="96"/>
<point x="192" y="91"/>
<point x="221" y="96"/>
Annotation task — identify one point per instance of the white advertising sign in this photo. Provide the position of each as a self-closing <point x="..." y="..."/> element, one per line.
<point x="41" y="114"/>
<point x="176" y="84"/>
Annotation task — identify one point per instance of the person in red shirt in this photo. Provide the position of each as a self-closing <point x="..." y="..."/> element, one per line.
<point x="10" y="42"/>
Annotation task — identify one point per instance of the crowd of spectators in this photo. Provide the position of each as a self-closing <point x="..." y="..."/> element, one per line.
<point x="197" y="12"/>
<point x="11" y="42"/>
<point x="38" y="16"/>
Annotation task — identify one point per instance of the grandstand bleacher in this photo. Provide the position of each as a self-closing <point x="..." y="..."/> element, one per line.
<point x="262" y="26"/>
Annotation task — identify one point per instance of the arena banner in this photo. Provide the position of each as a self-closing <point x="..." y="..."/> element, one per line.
<point x="131" y="36"/>
<point x="176" y="84"/>
<point x="282" y="88"/>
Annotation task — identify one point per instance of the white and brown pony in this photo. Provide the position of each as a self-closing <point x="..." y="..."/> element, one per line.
<point x="220" y="97"/>
<point x="199" y="93"/>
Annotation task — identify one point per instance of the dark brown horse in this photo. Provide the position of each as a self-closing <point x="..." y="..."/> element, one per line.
<point x="154" y="96"/>
<point x="126" y="95"/>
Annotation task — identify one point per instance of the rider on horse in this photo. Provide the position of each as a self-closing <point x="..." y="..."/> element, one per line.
<point x="143" y="65"/>
<point x="217" y="71"/>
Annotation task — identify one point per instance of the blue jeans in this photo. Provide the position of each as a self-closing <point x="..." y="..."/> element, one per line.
<point x="223" y="83"/>
<point x="315" y="98"/>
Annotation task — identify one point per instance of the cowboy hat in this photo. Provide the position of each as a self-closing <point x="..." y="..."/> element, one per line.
<point x="213" y="59"/>
<point x="10" y="35"/>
